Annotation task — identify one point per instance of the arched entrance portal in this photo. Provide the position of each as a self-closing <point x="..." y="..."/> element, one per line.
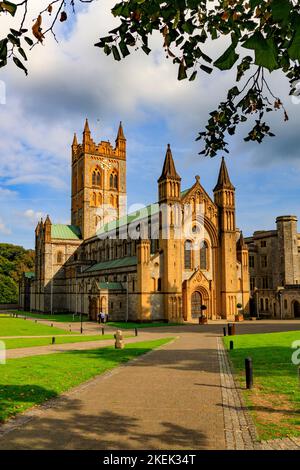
<point x="296" y="309"/>
<point x="196" y="304"/>
<point x="93" y="309"/>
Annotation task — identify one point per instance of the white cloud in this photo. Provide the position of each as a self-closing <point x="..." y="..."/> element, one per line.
<point x="32" y="216"/>
<point x="4" y="229"/>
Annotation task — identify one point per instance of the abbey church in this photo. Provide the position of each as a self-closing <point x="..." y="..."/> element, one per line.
<point x="172" y="260"/>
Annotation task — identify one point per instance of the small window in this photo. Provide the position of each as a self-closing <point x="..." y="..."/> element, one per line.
<point x="264" y="261"/>
<point x="251" y="261"/>
<point x="263" y="244"/>
<point x="159" y="284"/>
<point x="285" y="304"/>
<point x="59" y="257"/>
<point x="188" y="254"/>
<point x="252" y="283"/>
<point x="120" y="304"/>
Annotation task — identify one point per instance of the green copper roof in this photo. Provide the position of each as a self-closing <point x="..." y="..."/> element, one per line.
<point x="65" y="232"/>
<point x="141" y="214"/>
<point x="29" y="275"/>
<point x="111" y="285"/>
<point x="115" y="263"/>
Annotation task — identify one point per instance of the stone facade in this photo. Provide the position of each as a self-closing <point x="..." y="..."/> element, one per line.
<point x="169" y="261"/>
<point x="274" y="265"/>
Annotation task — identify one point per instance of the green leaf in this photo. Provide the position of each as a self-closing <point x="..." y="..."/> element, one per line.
<point x="294" y="49"/>
<point x="281" y="10"/>
<point x="182" y="71"/>
<point x="193" y="76"/>
<point x="146" y="49"/>
<point x="9" y="7"/>
<point x="206" y="69"/>
<point x="21" y="51"/>
<point x="20" y="65"/>
<point x="116" y="53"/>
<point x="3" y="49"/>
<point x="28" y="40"/>
<point x="228" y="59"/>
<point x="265" y="51"/>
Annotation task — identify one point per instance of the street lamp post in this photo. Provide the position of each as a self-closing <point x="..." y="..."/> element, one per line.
<point x="81" y="330"/>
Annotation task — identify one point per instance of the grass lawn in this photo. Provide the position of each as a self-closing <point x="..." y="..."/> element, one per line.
<point x="59" y="317"/>
<point x="29" y="381"/>
<point x="31" y="342"/>
<point x="20" y="327"/>
<point x="274" y="401"/>
<point x="131" y="325"/>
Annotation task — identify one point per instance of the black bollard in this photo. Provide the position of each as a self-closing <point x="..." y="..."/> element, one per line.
<point x="136" y="331"/>
<point x="53" y="340"/>
<point x="102" y="331"/>
<point x="231" y="345"/>
<point x="51" y="324"/>
<point x="35" y="321"/>
<point x="224" y="331"/>
<point x="249" y="373"/>
<point x="229" y="329"/>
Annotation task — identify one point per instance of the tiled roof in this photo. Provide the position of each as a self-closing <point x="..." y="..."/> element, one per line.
<point x="141" y="214"/>
<point x="115" y="263"/>
<point x="65" y="232"/>
<point x="111" y="285"/>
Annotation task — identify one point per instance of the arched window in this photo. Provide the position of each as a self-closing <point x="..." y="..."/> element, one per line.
<point x="96" y="177"/>
<point x="188" y="254"/>
<point x="261" y="305"/>
<point x="99" y="199"/>
<point x="59" y="257"/>
<point x="204" y="256"/>
<point x="113" y="180"/>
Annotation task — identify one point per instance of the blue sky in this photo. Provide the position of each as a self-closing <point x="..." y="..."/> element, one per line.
<point x="73" y="80"/>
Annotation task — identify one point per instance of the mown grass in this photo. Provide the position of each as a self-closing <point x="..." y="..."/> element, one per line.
<point x="57" y="317"/>
<point x="30" y="381"/>
<point x="15" y="343"/>
<point x="20" y="327"/>
<point x="274" y="402"/>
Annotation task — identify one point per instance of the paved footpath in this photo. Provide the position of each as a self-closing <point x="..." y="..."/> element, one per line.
<point x="181" y="396"/>
<point x="168" y="399"/>
<point x="81" y="346"/>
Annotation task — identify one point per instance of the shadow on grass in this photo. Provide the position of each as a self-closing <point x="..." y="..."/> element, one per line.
<point x="16" y="398"/>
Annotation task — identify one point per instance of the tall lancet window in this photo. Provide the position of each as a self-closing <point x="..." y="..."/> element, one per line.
<point x="204" y="256"/>
<point x="188" y="254"/>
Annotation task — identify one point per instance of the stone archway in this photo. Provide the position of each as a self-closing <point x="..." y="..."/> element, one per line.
<point x="196" y="302"/>
<point x="93" y="308"/>
<point x="296" y="309"/>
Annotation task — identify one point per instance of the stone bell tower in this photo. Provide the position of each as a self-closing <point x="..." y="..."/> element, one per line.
<point x="170" y="242"/>
<point x="98" y="182"/>
<point x="224" y="196"/>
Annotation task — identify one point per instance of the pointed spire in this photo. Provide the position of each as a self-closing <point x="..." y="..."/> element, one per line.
<point x="48" y="221"/>
<point x="75" y="143"/>
<point x="169" y="170"/>
<point x="120" y="135"/>
<point x="241" y="245"/>
<point x="86" y="127"/>
<point x="223" y="179"/>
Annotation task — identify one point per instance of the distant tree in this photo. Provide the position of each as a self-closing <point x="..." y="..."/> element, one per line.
<point x="14" y="260"/>
<point x="269" y="30"/>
